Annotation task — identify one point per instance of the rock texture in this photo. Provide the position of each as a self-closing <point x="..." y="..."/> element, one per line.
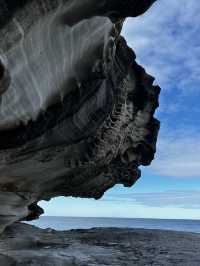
<point x="76" y="110"/>
<point x="26" y="245"/>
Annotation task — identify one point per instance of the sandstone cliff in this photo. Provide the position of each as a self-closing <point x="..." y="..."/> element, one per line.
<point x="76" y="110"/>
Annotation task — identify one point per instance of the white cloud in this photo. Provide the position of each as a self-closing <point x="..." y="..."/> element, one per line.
<point x="178" y="154"/>
<point x="167" y="41"/>
<point x="143" y="205"/>
<point x="175" y="199"/>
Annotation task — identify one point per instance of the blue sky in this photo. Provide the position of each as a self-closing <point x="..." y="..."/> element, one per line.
<point x="167" y="43"/>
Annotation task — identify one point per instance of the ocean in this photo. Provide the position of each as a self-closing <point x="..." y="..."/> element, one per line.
<point x="67" y="223"/>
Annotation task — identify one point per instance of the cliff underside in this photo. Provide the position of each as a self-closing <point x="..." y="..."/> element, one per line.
<point x="76" y="110"/>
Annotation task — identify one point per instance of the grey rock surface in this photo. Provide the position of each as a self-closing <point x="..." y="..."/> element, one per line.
<point x="27" y="245"/>
<point x="76" y="110"/>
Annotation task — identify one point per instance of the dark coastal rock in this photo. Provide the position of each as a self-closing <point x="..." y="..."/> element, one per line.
<point x="76" y="110"/>
<point x="27" y="245"/>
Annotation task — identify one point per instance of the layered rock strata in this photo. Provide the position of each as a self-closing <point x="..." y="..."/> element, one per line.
<point x="76" y="110"/>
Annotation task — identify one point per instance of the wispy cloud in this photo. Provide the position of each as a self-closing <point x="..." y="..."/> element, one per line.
<point x="178" y="199"/>
<point x="178" y="154"/>
<point x="167" y="42"/>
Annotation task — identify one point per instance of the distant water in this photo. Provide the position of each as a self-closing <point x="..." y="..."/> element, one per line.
<point x="67" y="223"/>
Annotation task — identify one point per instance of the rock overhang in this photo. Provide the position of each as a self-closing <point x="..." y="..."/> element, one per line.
<point x="77" y="112"/>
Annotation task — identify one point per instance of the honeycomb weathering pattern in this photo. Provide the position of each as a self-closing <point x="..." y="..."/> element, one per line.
<point x="76" y="110"/>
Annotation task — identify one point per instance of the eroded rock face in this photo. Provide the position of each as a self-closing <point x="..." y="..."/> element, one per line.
<point x="76" y="110"/>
